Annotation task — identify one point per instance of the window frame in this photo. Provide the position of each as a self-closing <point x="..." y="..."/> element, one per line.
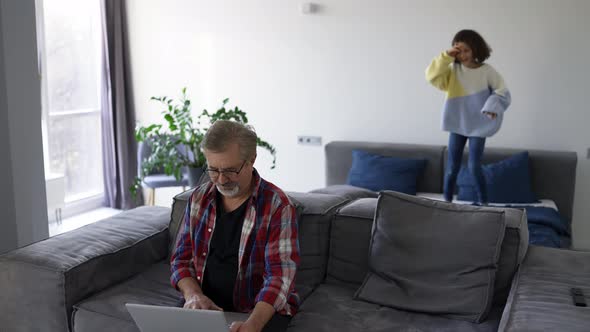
<point x="92" y="200"/>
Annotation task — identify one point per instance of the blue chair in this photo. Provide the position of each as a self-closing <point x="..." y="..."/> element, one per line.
<point x="156" y="177"/>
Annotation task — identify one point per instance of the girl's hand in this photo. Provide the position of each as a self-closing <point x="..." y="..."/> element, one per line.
<point x="490" y="115"/>
<point x="454" y="51"/>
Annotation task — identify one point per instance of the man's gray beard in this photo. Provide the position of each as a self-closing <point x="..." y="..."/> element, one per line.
<point x="229" y="193"/>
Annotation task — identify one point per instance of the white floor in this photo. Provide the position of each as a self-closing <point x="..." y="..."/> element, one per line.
<point x="164" y="197"/>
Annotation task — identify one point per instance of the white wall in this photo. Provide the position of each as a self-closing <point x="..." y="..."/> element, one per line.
<point x="355" y="71"/>
<point x="23" y="210"/>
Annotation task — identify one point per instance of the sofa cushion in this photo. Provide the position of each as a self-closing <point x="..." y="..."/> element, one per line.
<point x="507" y="181"/>
<point x="351" y="232"/>
<point x="417" y="257"/>
<point x="332" y="308"/>
<point x="349" y="241"/>
<point x="348" y="191"/>
<point x="376" y="172"/>
<point x="540" y="298"/>
<point x="315" y="214"/>
<point x="106" y="310"/>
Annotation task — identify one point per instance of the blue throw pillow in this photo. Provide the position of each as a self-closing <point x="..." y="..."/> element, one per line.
<point x="375" y="172"/>
<point x="507" y="181"/>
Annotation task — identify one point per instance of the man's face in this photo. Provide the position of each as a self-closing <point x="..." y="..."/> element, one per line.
<point x="230" y="173"/>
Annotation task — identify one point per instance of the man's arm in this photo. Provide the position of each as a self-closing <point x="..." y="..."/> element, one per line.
<point x="183" y="271"/>
<point x="261" y="314"/>
<point x="281" y="259"/>
<point x="181" y="260"/>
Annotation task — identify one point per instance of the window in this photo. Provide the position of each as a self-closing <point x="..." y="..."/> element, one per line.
<point x="70" y="51"/>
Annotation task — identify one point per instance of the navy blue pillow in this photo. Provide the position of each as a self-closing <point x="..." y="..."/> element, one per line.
<point x="507" y="181"/>
<point x="375" y="172"/>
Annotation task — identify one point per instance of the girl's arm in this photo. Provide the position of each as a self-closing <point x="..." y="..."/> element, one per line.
<point x="500" y="98"/>
<point x="438" y="72"/>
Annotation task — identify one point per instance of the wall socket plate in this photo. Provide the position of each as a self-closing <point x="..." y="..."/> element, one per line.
<point x="309" y="140"/>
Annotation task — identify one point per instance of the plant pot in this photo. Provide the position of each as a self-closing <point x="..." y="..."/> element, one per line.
<point x="194" y="176"/>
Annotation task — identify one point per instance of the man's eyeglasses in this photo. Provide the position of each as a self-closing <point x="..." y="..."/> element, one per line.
<point x="228" y="173"/>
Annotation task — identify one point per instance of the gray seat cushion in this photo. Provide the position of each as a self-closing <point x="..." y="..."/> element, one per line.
<point x="332" y="308"/>
<point x="540" y="298"/>
<point x="417" y="257"/>
<point x="106" y="310"/>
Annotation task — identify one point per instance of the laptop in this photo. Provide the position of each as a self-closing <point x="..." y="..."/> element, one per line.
<point x="151" y="318"/>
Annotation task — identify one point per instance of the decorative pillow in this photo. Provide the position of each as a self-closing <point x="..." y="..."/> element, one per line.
<point x="433" y="257"/>
<point x="376" y="172"/>
<point x="507" y="181"/>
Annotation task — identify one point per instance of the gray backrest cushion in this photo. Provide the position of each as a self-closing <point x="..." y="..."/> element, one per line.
<point x="315" y="212"/>
<point x="418" y="261"/>
<point x="315" y="215"/>
<point x="348" y="191"/>
<point x="339" y="160"/>
<point x="349" y="241"/>
<point x="351" y="232"/>
<point x="553" y="174"/>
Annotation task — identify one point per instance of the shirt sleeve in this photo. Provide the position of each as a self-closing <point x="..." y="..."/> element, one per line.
<point x="181" y="260"/>
<point x="500" y="98"/>
<point x="439" y="71"/>
<point x="281" y="258"/>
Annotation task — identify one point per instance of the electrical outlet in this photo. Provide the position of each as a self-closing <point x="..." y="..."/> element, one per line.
<point x="588" y="154"/>
<point x="309" y="140"/>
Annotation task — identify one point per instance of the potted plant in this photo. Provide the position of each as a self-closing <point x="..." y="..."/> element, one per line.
<point x="176" y="144"/>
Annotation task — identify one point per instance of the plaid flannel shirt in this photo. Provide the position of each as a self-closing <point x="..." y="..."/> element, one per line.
<point x="268" y="252"/>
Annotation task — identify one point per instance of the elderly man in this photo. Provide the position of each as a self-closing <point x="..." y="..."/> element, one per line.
<point x="237" y="247"/>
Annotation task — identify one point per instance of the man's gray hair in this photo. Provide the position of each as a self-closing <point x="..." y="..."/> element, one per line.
<point x="225" y="132"/>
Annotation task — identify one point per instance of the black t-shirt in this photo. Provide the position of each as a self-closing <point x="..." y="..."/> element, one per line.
<point x="222" y="262"/>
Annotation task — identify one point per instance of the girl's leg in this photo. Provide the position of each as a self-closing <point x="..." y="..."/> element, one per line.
<point x="476" y="147"/>
<point x="455" y="154"/>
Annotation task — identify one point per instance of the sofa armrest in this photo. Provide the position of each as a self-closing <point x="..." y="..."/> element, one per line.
<point x="40" y="283"/>
<point x="540" y="298"/>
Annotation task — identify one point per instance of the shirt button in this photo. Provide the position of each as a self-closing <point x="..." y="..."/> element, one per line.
<point x="209" y="230"/>
<point x="204" y="254"/>
<point x="198" y="277"/>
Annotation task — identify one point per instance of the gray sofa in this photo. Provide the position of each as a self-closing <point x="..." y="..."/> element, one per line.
<point x="80" y="280"/>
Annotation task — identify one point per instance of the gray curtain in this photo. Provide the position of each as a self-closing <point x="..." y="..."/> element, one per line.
<point x="118" y="114"/>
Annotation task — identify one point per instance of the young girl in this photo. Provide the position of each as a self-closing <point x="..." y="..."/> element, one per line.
<point x="475" y="103"/>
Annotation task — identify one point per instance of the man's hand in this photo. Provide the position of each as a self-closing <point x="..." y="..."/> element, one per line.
<point x="200" y="301"/>
<point x="246" y="326"/>
<point x="490" y="115"/>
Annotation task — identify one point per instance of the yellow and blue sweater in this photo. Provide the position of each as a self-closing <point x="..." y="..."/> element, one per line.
<point x="470" y="92"/>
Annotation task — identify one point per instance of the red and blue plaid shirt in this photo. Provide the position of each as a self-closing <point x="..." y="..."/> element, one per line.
<point x="268" y="253"/>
